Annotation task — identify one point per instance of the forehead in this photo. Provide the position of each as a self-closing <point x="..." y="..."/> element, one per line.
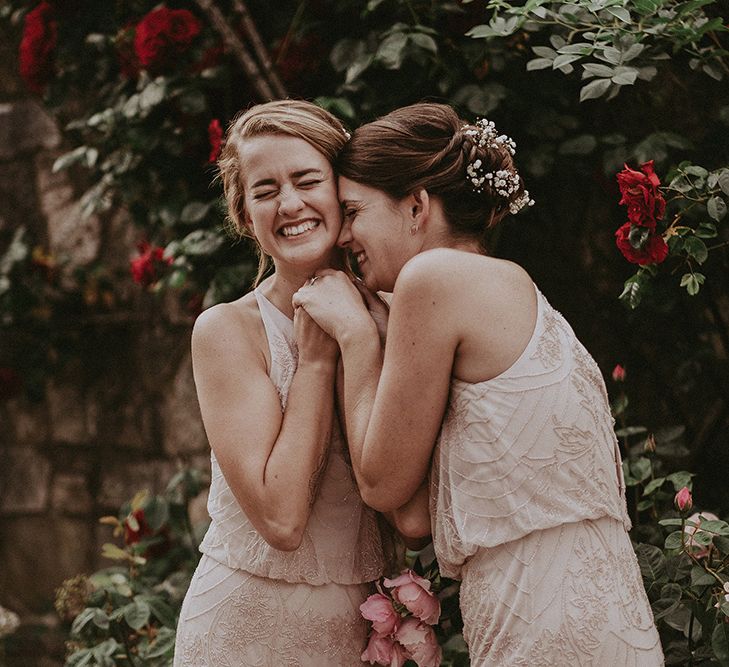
<point x="351" y="190"/>
<point x="277" y="156"/>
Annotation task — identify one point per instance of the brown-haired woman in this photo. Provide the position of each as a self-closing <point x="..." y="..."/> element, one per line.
<point x="485" y="387"/>
<point x="291" y="546"/>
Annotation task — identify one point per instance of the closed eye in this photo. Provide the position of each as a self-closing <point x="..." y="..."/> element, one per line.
<point x="308" y="184"/>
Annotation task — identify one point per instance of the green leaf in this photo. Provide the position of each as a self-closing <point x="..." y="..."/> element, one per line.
<point x="674" y="540"/>
<point x="653" y="485"/>
<point x="680" y="479"/>
<point x="392" y="50"/>
<point x="700" y="577"/>
<point x="706" y="230"/>
<point x="156" y="513"/>
<point x="162" y="611"/>
<point x="136" y="614"/>
<point x="716" y="208"/>
<point x="425" y="42"/>
<point x="671" y="522"/>
<point x="597" y="69"/>
<point x="696" y="248"/>
<point x="113" y="552"/>
<point x="620" y="13"/>
<point x="691" y="282"/>
<point x="723" y="181"/>
<point x="631" y="293"/>
<point x="345" y="52"/>
<point x="562" y="60"/>
<point x="625" y="76"/>
<point x="652" y="563"/>
<point x="163" y="643"/>
<point x="538" y="63"/>
<point x="720" y="643"/>
<point x="194" y="212"/>
<point x="594" y="89"/>
<point x="641" y="468"/>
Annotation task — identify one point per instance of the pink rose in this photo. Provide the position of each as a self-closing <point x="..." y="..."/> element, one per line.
<point x="384" y="650"/>
<point x="378" y="609"/>
<point x="698" y="550"/>
<point x="420" y="642"/>
<point x="619" y="373"/>
<point x="683" y="500"/>
<point x="414" y="592"/>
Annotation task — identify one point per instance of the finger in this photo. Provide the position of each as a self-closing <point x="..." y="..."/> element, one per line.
<point x="298" y="299"/>
<point x="370" y="298"/>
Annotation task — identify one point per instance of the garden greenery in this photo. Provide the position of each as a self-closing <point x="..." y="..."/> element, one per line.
<point x="589" y="89"/>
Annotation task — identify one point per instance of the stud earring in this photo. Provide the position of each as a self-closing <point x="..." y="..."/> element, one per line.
<point x="413" y="230"/>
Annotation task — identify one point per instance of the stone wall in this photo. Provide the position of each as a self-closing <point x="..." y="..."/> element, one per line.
<point x="118" y="420"/>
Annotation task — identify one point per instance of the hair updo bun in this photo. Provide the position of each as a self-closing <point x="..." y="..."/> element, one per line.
<point x="468" y="166"/>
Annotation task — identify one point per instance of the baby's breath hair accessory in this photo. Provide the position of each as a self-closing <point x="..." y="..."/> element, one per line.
<point x="347" y="135"/>
<point x="503" y="183"/>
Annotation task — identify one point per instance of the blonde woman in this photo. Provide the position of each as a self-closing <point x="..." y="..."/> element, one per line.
<point x="291" y="547"/>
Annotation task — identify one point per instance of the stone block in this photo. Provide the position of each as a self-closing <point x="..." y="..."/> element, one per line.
<point x="73" y="416"/>
<point x="183" y="429"/>
<point x="38" y="553"/>
<point x="120" y="481"/>
<point x="70" y="494"/>
<point x="73" y="239"/>
<point x="25" y="481"/>
<point x="25" y="127"/>
<point x="30" y="421"/>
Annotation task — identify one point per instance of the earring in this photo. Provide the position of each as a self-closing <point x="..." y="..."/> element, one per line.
<point x="413" y="229"/>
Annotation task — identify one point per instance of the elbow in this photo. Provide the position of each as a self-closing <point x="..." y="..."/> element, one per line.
<point x="282" y="536"/>
<point x="378" y="500"/>
<point x="280" y="541"/>
<point x="414" y="526"/>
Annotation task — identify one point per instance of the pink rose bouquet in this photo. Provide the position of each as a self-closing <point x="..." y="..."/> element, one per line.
<point x="402" y="613"/>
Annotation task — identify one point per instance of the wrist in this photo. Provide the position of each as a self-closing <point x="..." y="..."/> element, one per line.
<point x="320" y="366"/>
<point x="363" y="334"/>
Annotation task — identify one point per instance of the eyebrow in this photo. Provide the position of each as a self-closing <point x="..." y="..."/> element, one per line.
<point x="296" y="174"/>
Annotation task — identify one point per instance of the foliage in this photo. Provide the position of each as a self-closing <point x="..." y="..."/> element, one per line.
<point x="126" y="614"/>
<point x="684" y="560"/>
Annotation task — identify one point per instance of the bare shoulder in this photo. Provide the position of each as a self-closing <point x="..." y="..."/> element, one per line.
<point x="234" y="326"/>
<point x="444" y="270"/>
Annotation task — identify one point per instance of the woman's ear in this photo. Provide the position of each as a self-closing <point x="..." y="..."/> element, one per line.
<point x="419" y="206"/>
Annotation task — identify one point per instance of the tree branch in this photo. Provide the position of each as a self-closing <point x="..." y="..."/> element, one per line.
<point x="234" y="43"/>
<point x="255" y="39"/>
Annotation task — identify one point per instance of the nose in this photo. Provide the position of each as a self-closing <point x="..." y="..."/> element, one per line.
<point x="290" y="202"/>
<point x="345" y="234"/>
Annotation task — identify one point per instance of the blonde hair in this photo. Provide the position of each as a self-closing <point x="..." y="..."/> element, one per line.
<point x="294" y="118"/>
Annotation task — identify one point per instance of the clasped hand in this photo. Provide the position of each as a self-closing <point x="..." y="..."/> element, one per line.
<point x="339" y="306"/>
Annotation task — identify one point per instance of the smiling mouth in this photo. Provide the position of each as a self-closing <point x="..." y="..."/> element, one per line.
<point x="294" y="230"/>
<point x="360" y="257"/>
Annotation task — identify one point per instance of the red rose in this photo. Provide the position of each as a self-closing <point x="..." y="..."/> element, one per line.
<point x="162" y="35"/>
<point x="40" y="35"/>
<point x="652" y="250"/>
<point x="215" y="135"/>
<point x="640" y="193"/>
<point x="145" y="267"/>
<point x="136" y="527"/>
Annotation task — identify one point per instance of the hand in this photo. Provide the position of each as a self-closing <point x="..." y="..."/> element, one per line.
<point x="334" y="303"/>
<point x="378" y="308"/>
<point x="314" y="344"/>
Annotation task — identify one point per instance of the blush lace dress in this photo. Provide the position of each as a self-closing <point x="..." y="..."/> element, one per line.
<point x="528" y="511"/>
<point x="252" y="605"/>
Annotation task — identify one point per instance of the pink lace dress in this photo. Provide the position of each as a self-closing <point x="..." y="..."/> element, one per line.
<point x="528" y="510"/>
<point x="250" y="604"/>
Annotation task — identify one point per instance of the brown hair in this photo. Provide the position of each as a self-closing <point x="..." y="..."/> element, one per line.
<point x="295" y="118"/>
<point x="427" y="145"/>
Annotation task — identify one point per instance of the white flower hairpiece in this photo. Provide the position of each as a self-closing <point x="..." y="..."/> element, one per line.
<point x="502" y="182"/>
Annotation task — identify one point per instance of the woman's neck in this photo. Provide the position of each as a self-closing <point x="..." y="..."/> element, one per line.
<point x="285" y="281"/>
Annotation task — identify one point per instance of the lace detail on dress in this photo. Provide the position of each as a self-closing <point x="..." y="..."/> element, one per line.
<point x="571" y="595"/>
<point x="548" y="349"/>
<point x="233" y="618"/>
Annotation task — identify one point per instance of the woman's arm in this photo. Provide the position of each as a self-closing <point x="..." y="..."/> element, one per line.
<point x="412" y="520"/>
<point x="393" y="407"/>
<point x="271" y="461"/>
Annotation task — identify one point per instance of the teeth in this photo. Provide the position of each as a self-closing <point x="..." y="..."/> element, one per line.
<point x="360" y="257"/>
<point x="295" y="230"/>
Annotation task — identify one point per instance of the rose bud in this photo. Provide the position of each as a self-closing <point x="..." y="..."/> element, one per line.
<point x="683" y="500"/>
<point x="414" y="592"/>
<point x="378" y="609"/>
<point x="619" y="374"/>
